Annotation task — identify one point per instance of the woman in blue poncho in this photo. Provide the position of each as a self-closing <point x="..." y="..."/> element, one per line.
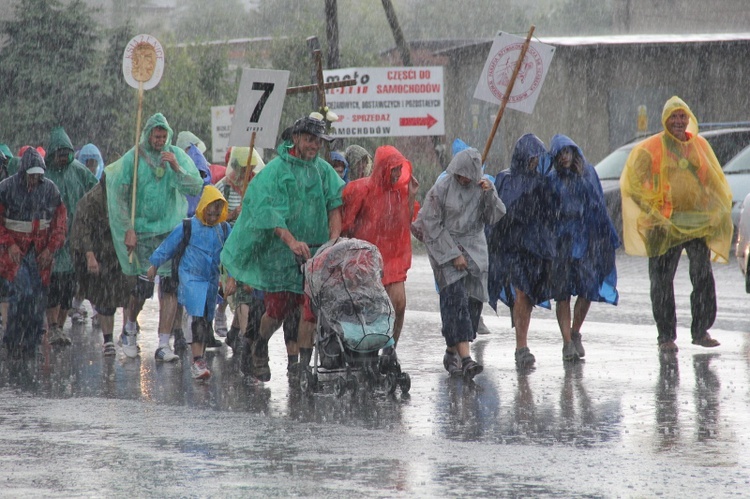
<point x="521" y="245"/>
<point x="584" y="265"/>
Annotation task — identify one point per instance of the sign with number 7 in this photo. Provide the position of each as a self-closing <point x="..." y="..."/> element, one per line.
<point x="260" y="100"/>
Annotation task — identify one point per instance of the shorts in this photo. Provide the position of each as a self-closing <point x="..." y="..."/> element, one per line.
<point x="281" y="305"/>
<point x="62" y="288"/>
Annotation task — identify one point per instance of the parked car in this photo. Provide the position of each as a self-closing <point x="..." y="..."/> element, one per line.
<point x="742" y="249"/>
<point x="726" y="143"/>
<point x="737" y="172"/>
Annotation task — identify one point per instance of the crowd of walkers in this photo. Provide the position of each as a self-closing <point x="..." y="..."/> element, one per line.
<point x="234" y="236"/>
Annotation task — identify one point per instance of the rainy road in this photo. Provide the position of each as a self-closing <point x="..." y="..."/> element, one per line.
<point x="622" y="423"/>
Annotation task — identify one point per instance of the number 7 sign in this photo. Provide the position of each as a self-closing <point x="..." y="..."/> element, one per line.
<point x="258" y="108"/>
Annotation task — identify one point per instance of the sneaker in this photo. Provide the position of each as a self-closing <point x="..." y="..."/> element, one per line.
<point x="452" y="363"/>
<point x="213" y="342"/>
<point x="57" y="336"/>
<point x="165" y="354"/>
<point x="524" y="357"/>
<point x="706" y="341"/>
<point x="109" y="349"/>
<point x="199" y="370"/>
<point x="180" y="345"/>
<point x="470" y="369"/>
<point x="232" y="338"/>
<point x="481" y="328"/>
<point x="569" y="352"/>
<point x="668" y="347"/>
<point x="259" y="355"/>
<point x="129" y="344"/>
<point x="76" y="317"/>
<point x="220" y="324"/>
<point x="576" y="337"/>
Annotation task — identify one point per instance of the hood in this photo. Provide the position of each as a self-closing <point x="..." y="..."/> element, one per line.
<point x="560" y="142"/>
<point x="211" y="194"/>
<point x="58" y="140"/>
<point x="200" y="162"/>
<point x="338" y="156"/>
<point x="6" y="151"/>
<point x="186" y="139"/>
<point x="238" y="160"/>
<point x="467" y="163"/>
<point x="157" y="120"/>
<point x="39" y="149"/>
<point x="673" y="104"/>
<point x="31" y="159"/>
<point x="386" y="159"/>
<point x="354" y="155"/>
<point x="90" y="151"/>
<point x="527" y="147"/>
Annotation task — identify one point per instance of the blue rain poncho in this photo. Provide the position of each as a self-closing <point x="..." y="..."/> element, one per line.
<point x="586" y="240"/>
<point x="90" y="151"/>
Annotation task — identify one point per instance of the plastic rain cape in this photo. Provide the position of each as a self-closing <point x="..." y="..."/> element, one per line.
<point x="673" y="192"/>
<point x="161" y="202"/>
<point x="343" y="281"/>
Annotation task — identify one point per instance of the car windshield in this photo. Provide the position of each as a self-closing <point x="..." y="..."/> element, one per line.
<point x="740" y="163"/>
<point x="610" y="168"/>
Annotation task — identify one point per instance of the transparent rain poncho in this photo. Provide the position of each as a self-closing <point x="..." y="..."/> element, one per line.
<point x="673" y="192"/>
<point x="343" y="281"/>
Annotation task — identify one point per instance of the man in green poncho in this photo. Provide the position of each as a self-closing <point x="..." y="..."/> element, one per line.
<point x="166" y="174"/>
<point x="291" y="208"/>
<point x="73" y="180"/>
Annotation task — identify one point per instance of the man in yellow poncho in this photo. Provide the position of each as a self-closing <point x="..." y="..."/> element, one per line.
<point x="675" y="198"/>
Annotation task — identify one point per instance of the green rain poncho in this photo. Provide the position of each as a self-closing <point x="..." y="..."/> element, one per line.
<point x="73" y="180"/>
<point x="160" y="197"/>
<point x="291" y="194"/>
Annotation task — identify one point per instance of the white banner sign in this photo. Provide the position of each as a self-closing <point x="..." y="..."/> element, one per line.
<point x="387" y="102"/>
<point x="498" y="70"/>
<point x="258" y="108"/>
<point x="221" y="125"/>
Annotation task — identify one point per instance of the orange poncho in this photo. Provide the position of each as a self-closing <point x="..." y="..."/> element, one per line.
<point x="675" y="191"/>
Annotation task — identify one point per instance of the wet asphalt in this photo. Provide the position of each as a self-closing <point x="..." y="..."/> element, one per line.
<point x="624" y="422"/>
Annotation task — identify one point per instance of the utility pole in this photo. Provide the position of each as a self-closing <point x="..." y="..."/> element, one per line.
<point x="398" y="35"/>
<point x="332" y="34"/>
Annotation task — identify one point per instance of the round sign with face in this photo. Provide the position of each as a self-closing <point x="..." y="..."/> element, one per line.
<point x="143" y="62"/>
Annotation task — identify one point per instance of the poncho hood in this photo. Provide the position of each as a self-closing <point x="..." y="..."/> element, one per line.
<point x="467" y="163"/>
<point x="6" y="151"/>
<point x="200" y="163"/>
<point x="672" y="105"/>
<point x="90" y="151"/>
<point x="211" y="194"/>
<point x="186" y="139"/>
<point x="387" y="158"/>
<point x="156" y="121"/>
<point x="238" y="161"/>
<point x="354" y="155"/>
<point x="58" y="140"/>
<point x="31" y="158"/>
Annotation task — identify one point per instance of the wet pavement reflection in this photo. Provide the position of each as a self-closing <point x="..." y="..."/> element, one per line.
<point x="625" y="421"/>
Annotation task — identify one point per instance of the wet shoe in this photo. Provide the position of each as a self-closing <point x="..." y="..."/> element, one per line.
<point x="109" y="349"/>
<point x="481" y="328"/>
<point x="220" y="324"/>
<point x="232" y="338"/>
<point x="452" y="364"/>
<point x="706" y="341"/>
<point x="577" y="342"/>
<point x="129" y="344"/>
<point x="199" y="369"/>
<point x="470" y="369"/>
<point x="58" y="336"/>
<point x="259" y="353"/>
<point x="180" y="343"/>
<point x="212" y="342"/>
<point x="388" y="361"/>
<point x="76" y="317"/>
<point x="524" y="357"/>
<point x="668" y="347"/>
<point x="569" y="352"/>
<point x="165" y="354"/>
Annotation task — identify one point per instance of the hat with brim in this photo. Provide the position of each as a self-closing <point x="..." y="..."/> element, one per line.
<point x="312" y="126"/>
<point x="35" y="170"/>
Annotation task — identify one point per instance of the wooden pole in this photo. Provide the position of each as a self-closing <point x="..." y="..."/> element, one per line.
<point x="248" y="168"/>
<point x="506" y="95"/>
<point x="134" y="186"/>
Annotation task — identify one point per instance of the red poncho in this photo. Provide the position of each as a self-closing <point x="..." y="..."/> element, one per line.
<point x="378" y="211"/>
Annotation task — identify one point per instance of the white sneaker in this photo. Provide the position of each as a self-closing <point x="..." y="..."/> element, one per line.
<point x="199" y="370"/>
<point x="220" y="324"/>
<point x="482" y="329"/>
<point x="165" y="354"/>
<point x="58" y="336"/>
<point x="129" y="344"/>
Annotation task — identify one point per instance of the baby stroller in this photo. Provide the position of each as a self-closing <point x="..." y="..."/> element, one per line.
<point x="354" y="317"/>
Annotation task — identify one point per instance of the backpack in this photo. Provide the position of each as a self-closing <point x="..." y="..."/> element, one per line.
<point x="187" y="229"/>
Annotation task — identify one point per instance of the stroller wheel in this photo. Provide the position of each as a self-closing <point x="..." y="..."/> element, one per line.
<point x="404" y="381"/>
<point x="339" y="386"/>
<point x="390" y="382"/>
<point x="307" y="381"/>
<point x="352" y="383"/>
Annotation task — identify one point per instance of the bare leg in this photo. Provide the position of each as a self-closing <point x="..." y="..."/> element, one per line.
<point x="562" y="309"/>
<point x="522" y="318"/>
<point x="107" y="324"/>
<point x="52" y="316"/>
<point x="167" y="312"/>
<point x="397" y="293"/>
<point x="268" y="326"/>
<point x="579" y="313"/>
<point x="306" y="332"/>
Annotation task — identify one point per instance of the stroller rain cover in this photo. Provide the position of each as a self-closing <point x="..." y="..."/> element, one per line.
<point x="343" y="282"/>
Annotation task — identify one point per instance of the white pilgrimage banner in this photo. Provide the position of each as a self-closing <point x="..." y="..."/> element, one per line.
<point x="498" y="70"/>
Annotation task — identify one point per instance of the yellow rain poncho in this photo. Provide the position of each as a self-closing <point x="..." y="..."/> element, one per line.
<point x="673" y="192"/>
